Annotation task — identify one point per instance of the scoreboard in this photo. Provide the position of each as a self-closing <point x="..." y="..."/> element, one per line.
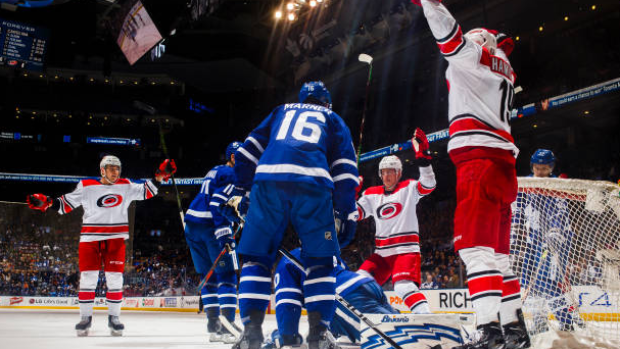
<point x="22" y="45"/>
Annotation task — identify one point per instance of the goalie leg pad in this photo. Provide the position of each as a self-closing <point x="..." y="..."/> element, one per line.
<point x="254" y="287"/>
<point x="484" y="281"/>
<point x="416" y="331"/>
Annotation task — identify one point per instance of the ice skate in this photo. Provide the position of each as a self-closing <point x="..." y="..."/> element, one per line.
<point x="318" y="336"/>
<point x="490" y="338"/>
<point x="115" y="325"/>
<point x="515" y="334"/>
<point x="83" y="326"/>
<point x="252" y="336"/>
<point x="214" y="329"/>
<point x="289" y="342"/>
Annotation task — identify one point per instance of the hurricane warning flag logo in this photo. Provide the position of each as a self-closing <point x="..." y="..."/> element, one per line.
<point x="109" y="200"/>
<point x="389" y="210"/>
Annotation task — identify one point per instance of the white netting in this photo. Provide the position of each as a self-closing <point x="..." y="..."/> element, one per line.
<point x="566" y="251"/>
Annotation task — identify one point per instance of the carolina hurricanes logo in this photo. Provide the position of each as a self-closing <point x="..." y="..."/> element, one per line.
<point x="389" y="210"/>
<point x="110" y="200"/>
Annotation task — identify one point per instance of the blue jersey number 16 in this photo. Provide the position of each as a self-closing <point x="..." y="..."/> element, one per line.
<point x="306" y="120"/>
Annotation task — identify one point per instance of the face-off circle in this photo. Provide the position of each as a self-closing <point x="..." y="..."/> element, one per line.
<point x="110" y="200"/>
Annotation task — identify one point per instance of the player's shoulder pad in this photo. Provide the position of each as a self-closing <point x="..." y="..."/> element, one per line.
<point x="89" y="182"/>
<point x="123" y="181"/>
<point x="376" y="190"/>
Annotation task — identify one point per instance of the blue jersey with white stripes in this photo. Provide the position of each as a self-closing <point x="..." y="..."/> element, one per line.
<point x="305" y="143"/>
<point x="215" y="190"/>
<point x="289" y="275"/>
<point x="348" y="281"/>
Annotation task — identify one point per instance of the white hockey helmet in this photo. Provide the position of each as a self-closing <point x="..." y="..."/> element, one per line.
<point x="390" y="161"/>
<point x="109" y="160"/>
<point x="484" y="38"/>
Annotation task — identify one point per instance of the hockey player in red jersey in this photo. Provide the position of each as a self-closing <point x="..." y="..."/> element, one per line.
<point x="480" y="83"/>
<point x="105" y="228"/>
<point x="397" y="240"/>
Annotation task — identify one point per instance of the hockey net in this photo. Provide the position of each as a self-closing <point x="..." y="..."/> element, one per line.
<point x="565" y="246"/>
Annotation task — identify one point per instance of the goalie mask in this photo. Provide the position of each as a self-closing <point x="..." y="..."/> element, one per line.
<point x="106" y="161"/>
<point x="484" y="38"/>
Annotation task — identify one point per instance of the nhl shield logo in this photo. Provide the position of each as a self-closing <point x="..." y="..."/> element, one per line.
<point x="328" y="235"/>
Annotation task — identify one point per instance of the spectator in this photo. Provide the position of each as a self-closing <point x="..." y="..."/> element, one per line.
<point x="429" y="284"/>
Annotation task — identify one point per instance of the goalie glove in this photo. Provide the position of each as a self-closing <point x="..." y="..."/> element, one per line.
<point x="345" y="227"/>
<point x="421" y="147"/>
<point x="236" y="207"/>
<point x="166" y="169"/>
<point x="39" y="202"/>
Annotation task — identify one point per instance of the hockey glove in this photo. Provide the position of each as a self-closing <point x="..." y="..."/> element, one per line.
<point x="345" y="227"/>
<point x="39" y="202"/>
<point x="224" y="237"/>
<point x="236" y="207"/>
<point x="166" y="169"/>
<point x="419" y="2"/>
<point x="421" y="147"/>
<point x="358" y="189"/>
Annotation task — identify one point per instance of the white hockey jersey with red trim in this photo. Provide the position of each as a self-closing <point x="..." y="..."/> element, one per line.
<point x="105" y="206"/>
<point x="480" y="85"/>
<point x="396" y="220"/>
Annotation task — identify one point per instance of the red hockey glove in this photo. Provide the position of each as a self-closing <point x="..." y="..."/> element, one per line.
<point x="419" y="2"/>
<point x="39" y="202"/>
<point x="166" y="169"/>
<point x="420" y="145"/>
<point x="505" y="43"/>
<point x="359" y="187"/>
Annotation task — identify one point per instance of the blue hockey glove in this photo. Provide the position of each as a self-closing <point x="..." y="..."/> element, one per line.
<point x="236" y="207"/>
<point x="224" y="237"/>
<point x="345" y="227"/>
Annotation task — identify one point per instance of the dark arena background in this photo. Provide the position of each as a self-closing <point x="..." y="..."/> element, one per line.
<point x="149" y="79"/>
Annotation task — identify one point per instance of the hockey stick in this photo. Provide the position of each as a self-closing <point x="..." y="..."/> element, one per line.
<point x="13" y="202"/>
<point x="217" y="259"/>
<point x="346" y="304"/>
<point x="366" y="59"/>
<point x="174" y="184"/>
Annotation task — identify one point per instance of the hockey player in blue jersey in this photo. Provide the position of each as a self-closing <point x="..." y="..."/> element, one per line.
<point x="300" y="165"/>
<point x="360" y="291"/>
<point x="545" y="221"/>
<point x="207" y="232"/>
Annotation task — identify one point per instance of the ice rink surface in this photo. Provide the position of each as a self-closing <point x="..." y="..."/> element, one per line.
<point x="54" y="329"/>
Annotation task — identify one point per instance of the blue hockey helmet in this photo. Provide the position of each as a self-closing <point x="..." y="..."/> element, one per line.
<point x="318" y="92"/>
<point x="231" y="149"/>
<point x="543" y="157"/>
